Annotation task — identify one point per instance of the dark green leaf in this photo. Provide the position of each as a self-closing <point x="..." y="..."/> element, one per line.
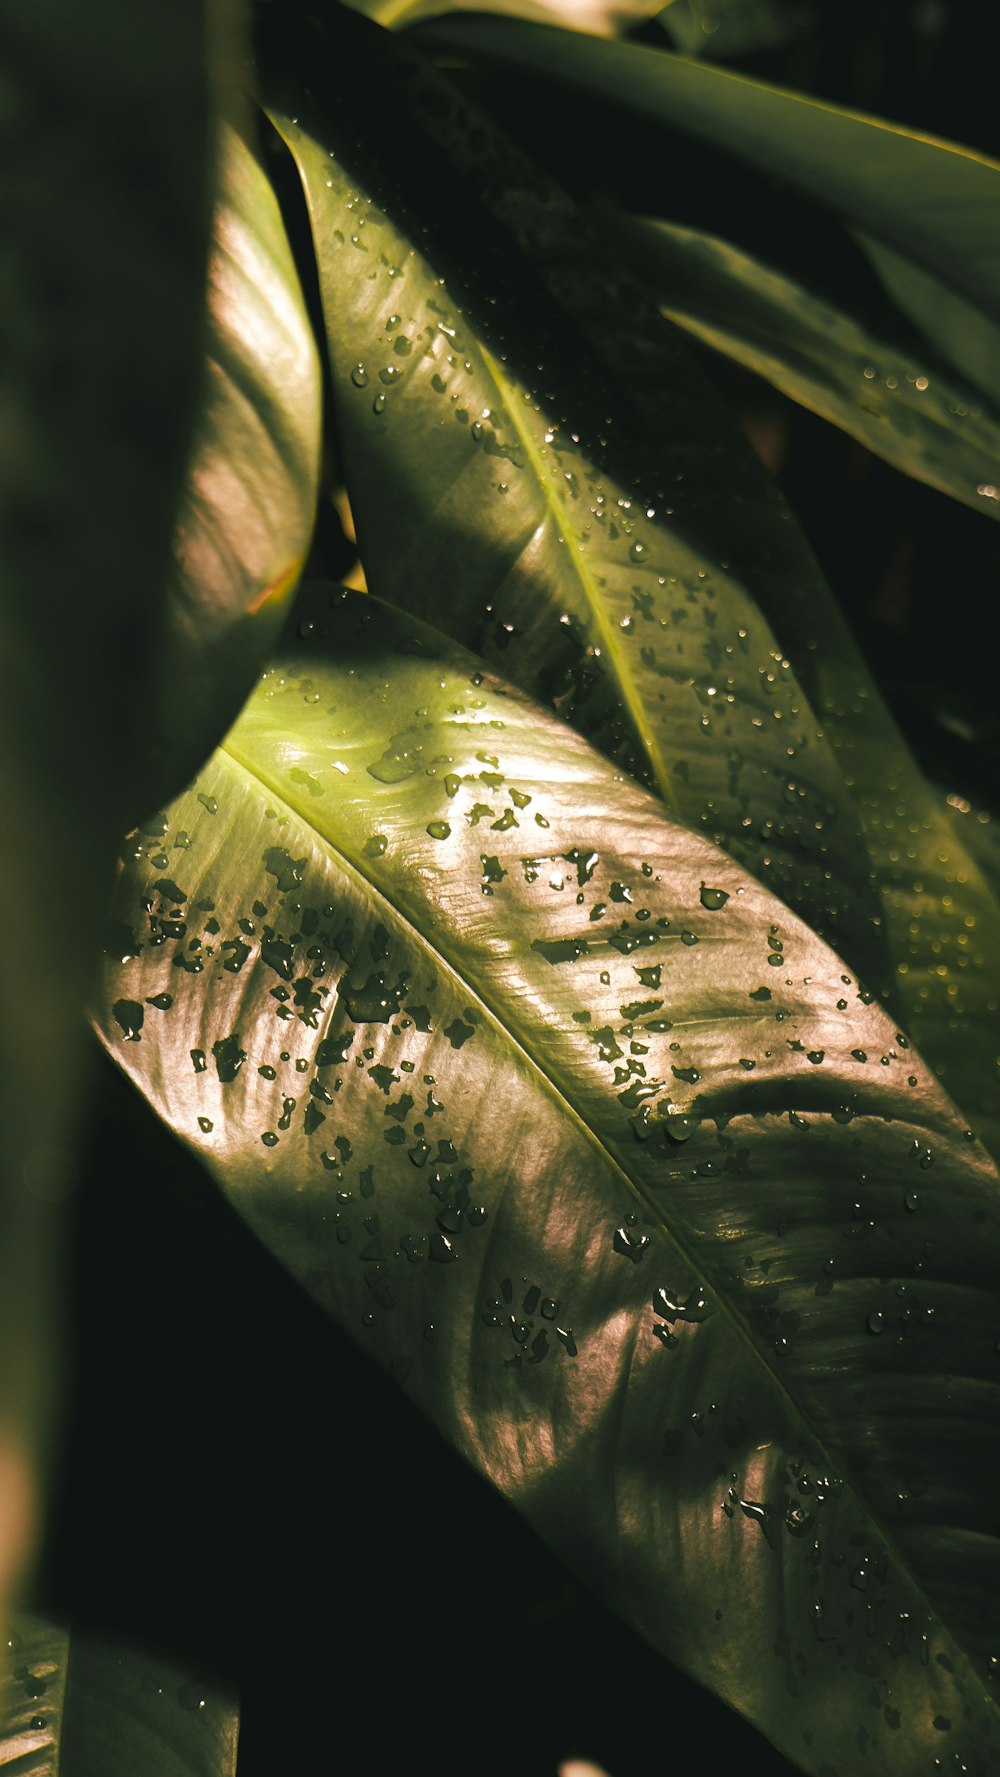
<point x="940" y="924"/>
<point x="563" y="557"/>
<point x="73" y="1704"/>
<point x="596" y="1146"/>
<point x="820" y="354"/>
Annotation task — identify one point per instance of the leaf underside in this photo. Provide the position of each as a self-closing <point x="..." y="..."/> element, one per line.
<point x="926" y="423"/>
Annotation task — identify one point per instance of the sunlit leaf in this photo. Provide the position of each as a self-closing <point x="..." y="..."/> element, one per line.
<point x="722" y="28"/>
<point x="565" y="561"/>
<point x="104" y="209"/>
<point x="929" y="905"/>
<point x="73" y="1703"/>
<point x="818" y="353"/>
<point x="602" y="1152"/>
<point x="251" y="487"/>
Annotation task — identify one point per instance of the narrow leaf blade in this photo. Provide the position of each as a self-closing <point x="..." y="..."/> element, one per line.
<point x="819" y="354"/>
<point x="74" y="1703"/>
<point x="251" y="486"/>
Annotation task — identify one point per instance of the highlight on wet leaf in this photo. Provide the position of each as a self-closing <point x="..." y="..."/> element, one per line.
<point x="250" y="494"/>
<point x="76" y="1701"/>
<point x="899" y="405"/>
<point x="564" y="1083"/>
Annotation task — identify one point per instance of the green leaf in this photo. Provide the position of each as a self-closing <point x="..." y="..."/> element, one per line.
<point x="250" y="492"/>
<point x="979" y="834"/>
<point x="932" y="201"/>
<point x="723" y="28"/>
<point x="564" y="557"/>
<point x="596" y="1146"/>
<point x="933" y="912"/>
<point x="77" y="1703"/>
<point x="895" y="403"/>
<point x="955" y="327"/>
<point x="104" y="211"/>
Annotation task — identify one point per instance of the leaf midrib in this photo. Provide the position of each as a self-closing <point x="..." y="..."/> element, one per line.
<point x="573" y="542"/>
<point x="537" y="1068"/>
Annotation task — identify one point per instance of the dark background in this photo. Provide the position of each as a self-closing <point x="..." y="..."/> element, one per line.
<point x="236" y="1482"/>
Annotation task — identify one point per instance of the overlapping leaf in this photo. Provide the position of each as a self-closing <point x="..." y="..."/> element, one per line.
<point x="600" y="1149"/>
<point x="105" y="174"/>
<point x="963" y="332"/>
<point x="941" y="921"/>
<point x="469" y="471"/>
<point x="76" y="1704"/>
<point x="818" y="353"/>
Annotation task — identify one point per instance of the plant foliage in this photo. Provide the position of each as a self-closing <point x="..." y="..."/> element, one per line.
<point x="562" y="964"/>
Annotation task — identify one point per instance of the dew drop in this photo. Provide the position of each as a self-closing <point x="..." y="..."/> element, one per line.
<point x="713" y="898"/>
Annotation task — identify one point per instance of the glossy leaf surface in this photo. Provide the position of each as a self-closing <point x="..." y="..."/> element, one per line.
<point x="250" y="494"/>
<point x="562" y="557"/>
<point x="593" y="1143"/>
<point x="724" y="28"/>
<point x="601" y="17"/>
<point x="72" y="1706"/>
<point x="922" y="422"/>
<point x="912" y="890"/>
<point x="104" y="206"/>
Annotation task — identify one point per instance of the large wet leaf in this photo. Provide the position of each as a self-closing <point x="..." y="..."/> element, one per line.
<point x="74" y="1704"/>
<point x="104" y="208"/>
<point x="820" y="354"/>
<point x="251" y="487"/>
<point x="929" y="905"/>
<point x="559" y="545"/>
<point x="604" y="1154"/>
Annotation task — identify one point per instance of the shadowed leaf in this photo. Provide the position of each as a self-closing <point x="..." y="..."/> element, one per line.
<point x="105" y="177"/>
<point x="912" y="890"/>
<point x="896" y="404"/>
<point x="76" y="1704"/>
<point x="251" y="487"/>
